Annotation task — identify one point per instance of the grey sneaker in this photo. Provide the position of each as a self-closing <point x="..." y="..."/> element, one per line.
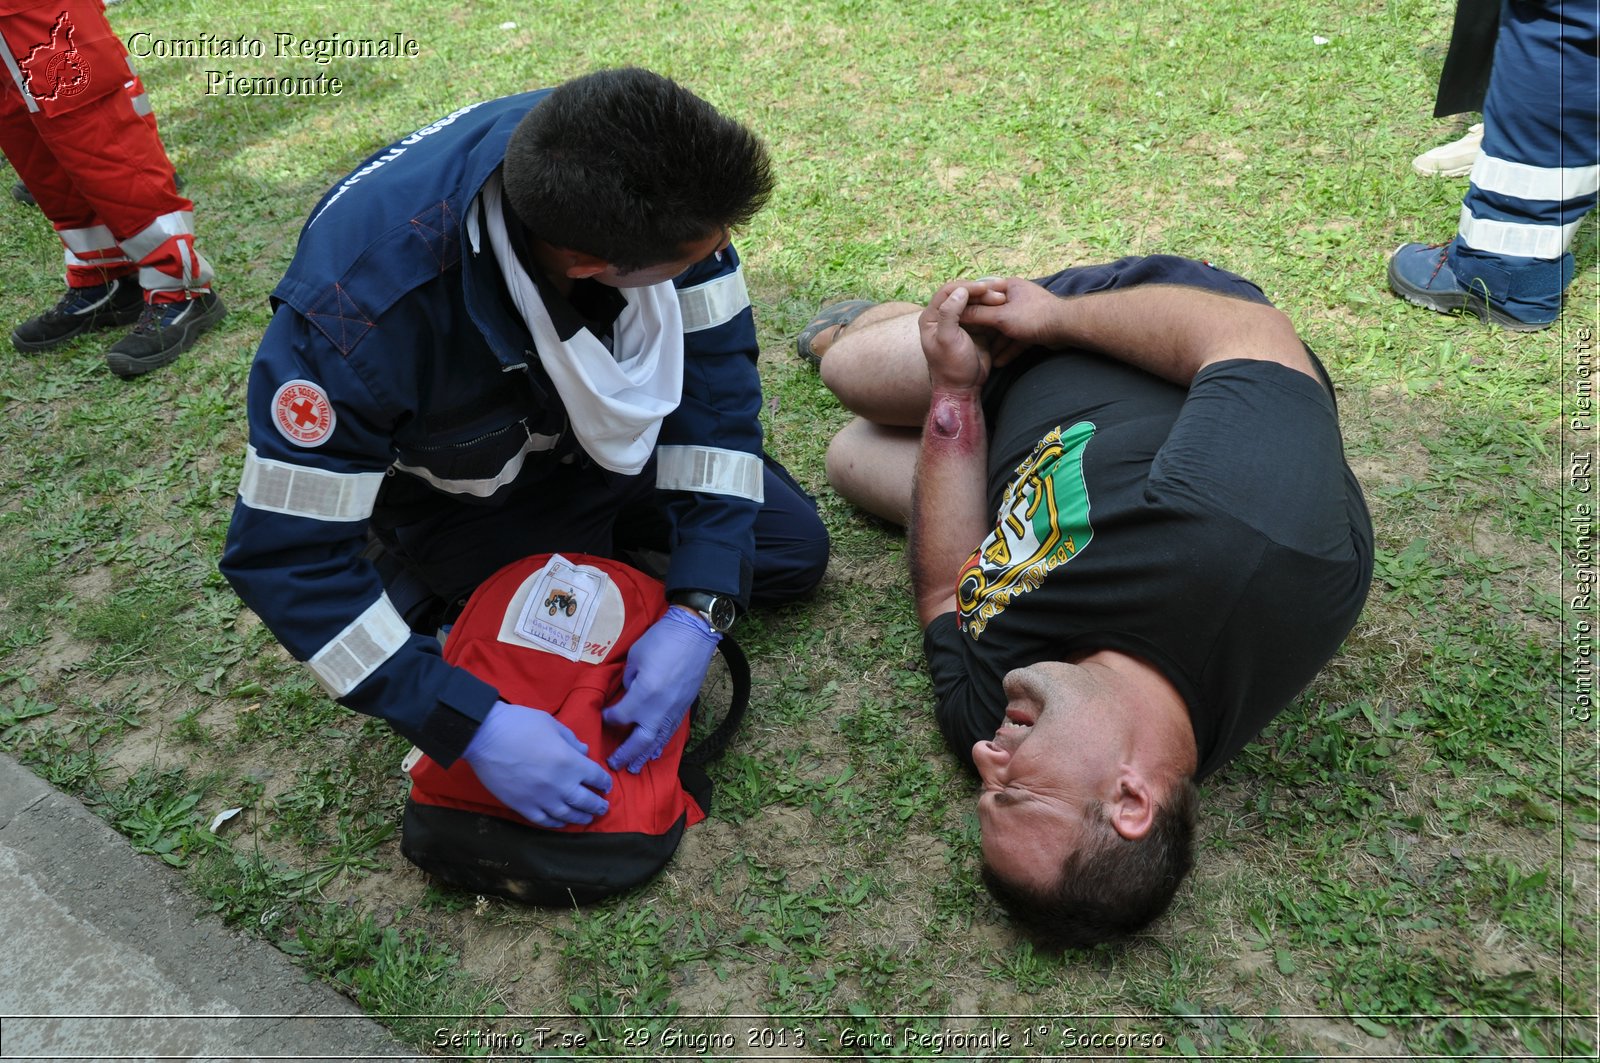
<point x="164" y="331"/>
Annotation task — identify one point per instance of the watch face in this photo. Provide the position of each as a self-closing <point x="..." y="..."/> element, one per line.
<point x="723" y="613"/>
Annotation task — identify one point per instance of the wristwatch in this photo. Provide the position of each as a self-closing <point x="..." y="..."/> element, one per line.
<point x="719" y="610"/>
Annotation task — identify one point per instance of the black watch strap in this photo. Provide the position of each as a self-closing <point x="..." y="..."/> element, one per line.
<point x="718" y="610"/>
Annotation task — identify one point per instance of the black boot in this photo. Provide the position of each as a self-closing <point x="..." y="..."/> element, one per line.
<point x="118" y="302"/>
<point x="164" y="331"/>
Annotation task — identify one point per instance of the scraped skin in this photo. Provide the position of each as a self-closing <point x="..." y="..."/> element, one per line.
<point x="947" y="418"/>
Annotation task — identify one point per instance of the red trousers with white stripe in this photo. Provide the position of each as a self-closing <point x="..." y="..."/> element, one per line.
<point x="76" y="125"/>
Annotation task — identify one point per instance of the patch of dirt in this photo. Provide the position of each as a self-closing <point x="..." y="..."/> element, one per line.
<point x="1252" y="965"/>
<point x="60" y="653"/>
<point x="1497" y="954"/>
<point x="146" y="746"/>
<point x="398" y="887"/>
<point x="881" y="571"/>
<point x="1537" y="567"/>
<point x="1402" y="462"/>
<point x="520" y="961"/>
<point x="1331" y="1038"/>
<point x="1582" y="868"/>
<point x="92" y="585"/>
<point x="700" y="990"/>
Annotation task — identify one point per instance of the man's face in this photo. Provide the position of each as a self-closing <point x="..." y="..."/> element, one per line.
<point x="689" y="255"/>
<point x="1055" y="755"/>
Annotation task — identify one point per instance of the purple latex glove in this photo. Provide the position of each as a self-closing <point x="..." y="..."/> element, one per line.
<point x="665" y="669"/>
<point x="537" y="767"/>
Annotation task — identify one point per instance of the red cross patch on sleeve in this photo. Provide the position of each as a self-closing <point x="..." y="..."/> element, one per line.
<point x="303" y="414"/>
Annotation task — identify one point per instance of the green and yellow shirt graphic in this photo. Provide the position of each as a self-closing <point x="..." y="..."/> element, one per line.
<point x="1043" y="523"/>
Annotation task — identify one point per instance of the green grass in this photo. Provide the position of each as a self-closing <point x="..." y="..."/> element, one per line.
<point x="1404" y="866"/>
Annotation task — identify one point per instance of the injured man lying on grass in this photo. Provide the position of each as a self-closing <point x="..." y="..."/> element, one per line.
<point x="1134" y="539"/>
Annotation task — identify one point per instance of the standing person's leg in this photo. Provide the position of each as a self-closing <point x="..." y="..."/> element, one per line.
<point x="73" y="76"/>
<point x="1534" y="180"/>
<point x="140" y="100"/>
<point x="1540" y="167"/>
<point x="101" y="289"/>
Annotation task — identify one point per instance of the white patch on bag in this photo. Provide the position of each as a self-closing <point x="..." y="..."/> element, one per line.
<point x="571" y="610"/>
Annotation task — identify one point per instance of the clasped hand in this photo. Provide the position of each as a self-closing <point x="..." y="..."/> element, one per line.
<point x="970" y="326"/>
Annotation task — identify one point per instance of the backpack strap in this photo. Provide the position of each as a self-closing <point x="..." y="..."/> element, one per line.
<point x="692" y="768"/>
<point x="711" y="746"/>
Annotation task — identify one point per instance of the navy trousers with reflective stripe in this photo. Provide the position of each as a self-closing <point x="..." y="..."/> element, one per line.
<point x="1536" y="175"/>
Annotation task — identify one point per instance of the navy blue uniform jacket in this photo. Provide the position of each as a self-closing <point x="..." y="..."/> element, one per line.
<point x="395" y="362"/>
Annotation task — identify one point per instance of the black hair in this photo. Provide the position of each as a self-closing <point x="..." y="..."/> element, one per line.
<point x="630" y="167"/>
<point x="1110" y="887"/>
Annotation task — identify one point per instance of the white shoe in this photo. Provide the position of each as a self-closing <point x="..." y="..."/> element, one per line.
<point x="1453" y="159"/>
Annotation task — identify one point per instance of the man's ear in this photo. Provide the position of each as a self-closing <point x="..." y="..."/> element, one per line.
<point x="1133" y="811"/>
<point x="581" y="266"/>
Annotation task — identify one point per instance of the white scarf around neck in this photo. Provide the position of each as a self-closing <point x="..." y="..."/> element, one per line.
<point x="615" y="400"/>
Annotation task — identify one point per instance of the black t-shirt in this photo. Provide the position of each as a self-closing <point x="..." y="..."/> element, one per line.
<point x="1215" y="532"/>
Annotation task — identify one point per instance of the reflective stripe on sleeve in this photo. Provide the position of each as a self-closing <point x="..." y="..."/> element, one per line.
<point x="713" y="303"/>
<point x="358" y="650"/>
<point x="711" y="470"/>
<point x="299" y="491"/>
<point x="1548" y="183"/>
<point x="1515" y="238"/>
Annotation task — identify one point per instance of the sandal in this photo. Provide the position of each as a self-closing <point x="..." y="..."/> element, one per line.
<point x="829" y="316"/>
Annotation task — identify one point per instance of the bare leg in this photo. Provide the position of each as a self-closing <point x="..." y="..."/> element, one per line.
<point x="874" y="365"/>
<point x="873" y="467"/>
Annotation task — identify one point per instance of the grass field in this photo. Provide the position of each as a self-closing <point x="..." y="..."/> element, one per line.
<point x="1405" y="866"/>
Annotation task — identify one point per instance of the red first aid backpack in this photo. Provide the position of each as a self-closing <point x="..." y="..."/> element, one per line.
<point x="554" y="632"/>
